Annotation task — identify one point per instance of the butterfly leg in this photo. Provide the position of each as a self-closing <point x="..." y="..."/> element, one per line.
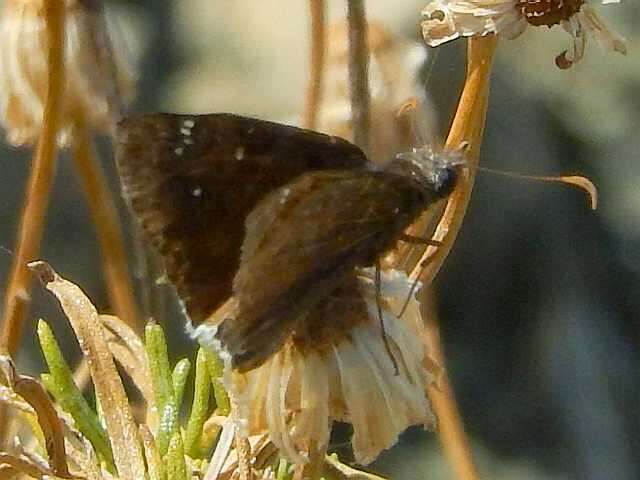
<point x="414" y="285"/>
<point x="419" y="240"/>
<point x="385" y="339"/>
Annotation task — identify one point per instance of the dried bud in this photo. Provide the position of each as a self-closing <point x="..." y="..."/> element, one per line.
<point x="98" y="79"/>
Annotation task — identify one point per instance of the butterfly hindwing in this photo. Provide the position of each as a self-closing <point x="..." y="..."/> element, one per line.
<point x="303" y="240"/>
<point x="191" y="180"/>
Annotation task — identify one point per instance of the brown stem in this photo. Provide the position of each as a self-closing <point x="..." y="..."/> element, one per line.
<point x="105" y="219"/>
<point x="43" y="168"/>
<point x="450" y="426"/>
<point x="467" y="127"/>
<point x="317" y="10"/>
<point x="359" y="73"/>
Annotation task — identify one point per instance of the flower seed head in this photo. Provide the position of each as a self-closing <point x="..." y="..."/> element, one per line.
<point x="548" y="12"/>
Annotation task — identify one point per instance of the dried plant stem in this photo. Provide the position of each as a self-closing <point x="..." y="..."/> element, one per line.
<point x="39" y="185"/>
<point x="105" y="219"/>
<point x="43" y="169"/>
<point x="317" y="9"/>
<point x="451" y="431"/>
<point x="467" y="127"/>
<point x="359" y="74"/>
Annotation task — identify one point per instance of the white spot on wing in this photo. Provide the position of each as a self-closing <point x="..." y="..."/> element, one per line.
<point x="285" y="195"/>
<point x="190" y="123"/>
<point x="197" y="192"/>
<point x="179" y="151"/>
<point x="239" y="153"/>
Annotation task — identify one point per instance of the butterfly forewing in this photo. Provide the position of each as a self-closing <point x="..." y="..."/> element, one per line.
<point x="191" y="181"/>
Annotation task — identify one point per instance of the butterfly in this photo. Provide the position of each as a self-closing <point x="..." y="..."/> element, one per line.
<point x="275" y="217"/>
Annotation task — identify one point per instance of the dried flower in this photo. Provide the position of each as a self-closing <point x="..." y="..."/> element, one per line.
<point x="447" y="20"/>
<point x="98" y="78"/>
<point x="394" y="65"/>
<point x="339" y="369"/>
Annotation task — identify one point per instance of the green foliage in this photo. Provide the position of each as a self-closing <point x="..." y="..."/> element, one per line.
<point x="59" y="382"/>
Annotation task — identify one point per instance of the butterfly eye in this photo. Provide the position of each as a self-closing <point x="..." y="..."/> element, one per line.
<point x="445" y="180"/>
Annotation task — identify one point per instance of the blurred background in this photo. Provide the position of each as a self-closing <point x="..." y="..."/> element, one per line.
<point x="539" y="299"/>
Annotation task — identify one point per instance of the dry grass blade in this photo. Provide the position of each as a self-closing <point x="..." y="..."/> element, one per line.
<point x="27" y="466"/>
<point x="86" y="324"/>
<point x="35" y="395"/>
<point x="128" y="350"/>
<point x="9" y="397"/>
<point x="33" y="392"/>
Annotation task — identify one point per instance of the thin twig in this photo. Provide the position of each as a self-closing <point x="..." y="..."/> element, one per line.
<point x="43" y="168"/>
<point x="105" y="219"/>
<point x="317" y="11"/>
<point x="359" y="74"/>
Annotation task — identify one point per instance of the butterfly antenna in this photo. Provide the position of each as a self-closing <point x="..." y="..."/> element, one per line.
<point x="385" y="339"/>
<point x="583" y="183"/>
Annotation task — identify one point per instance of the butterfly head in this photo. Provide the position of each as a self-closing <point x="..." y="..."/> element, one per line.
<point x="435" y="170"/>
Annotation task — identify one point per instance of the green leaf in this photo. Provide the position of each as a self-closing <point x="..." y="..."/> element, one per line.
<point x="176" y="466"/>
<point x="59" y="382"/>
<point x="216" y="370"/>
<point x="162" y="381"/>
<point x="199" y="408"/>
<point x="179" y="379"/>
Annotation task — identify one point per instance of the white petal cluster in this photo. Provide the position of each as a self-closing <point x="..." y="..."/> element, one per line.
<point x="297" y="395"/>
<point x="446" y="20"/>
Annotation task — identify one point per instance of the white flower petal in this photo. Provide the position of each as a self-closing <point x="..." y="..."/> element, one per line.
<point x="297" y="394"/>
<point x="447" y="20"/>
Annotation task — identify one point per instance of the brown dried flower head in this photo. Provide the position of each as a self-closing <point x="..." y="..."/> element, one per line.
<point x="98" y="77"/>
<point x="447" y="20"/>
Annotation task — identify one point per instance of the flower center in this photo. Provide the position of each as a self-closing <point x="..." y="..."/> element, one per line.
<point x="548" y="12"/>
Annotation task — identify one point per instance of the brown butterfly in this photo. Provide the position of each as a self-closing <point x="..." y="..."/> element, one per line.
<point x="276" y="217"/>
